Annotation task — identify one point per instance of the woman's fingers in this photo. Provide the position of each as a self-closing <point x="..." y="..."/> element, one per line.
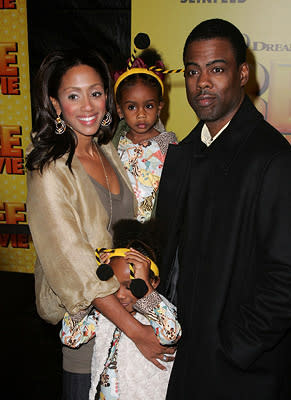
<point x="170" y="350"/>
<point x="150" y="347"/>
<point x="167" y="358"/>
<point x="159" y="365"/>
<point x="152" y="350"/>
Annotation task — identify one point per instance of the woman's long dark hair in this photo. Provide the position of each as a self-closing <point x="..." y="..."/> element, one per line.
<point x="47" y="145"/>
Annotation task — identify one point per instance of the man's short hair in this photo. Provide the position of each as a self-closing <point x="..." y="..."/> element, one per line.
<point x="219" y="28"/>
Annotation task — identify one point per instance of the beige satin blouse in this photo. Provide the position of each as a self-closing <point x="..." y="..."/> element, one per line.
<point x="68" y="221"/>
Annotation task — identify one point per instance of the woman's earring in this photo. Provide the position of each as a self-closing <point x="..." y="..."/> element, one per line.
<point x="60" y="125"/>
<point x="107" y="119"/>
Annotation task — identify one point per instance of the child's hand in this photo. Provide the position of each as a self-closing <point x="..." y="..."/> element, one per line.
<point x="104" y="257"/>
<point x="141" y="266"/>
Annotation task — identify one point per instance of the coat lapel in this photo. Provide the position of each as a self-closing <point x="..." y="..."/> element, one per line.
<point x="229" y="144"/>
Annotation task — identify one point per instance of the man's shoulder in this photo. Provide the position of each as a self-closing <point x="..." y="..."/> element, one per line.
<point x="196" y="132"/>
<point x="269" y="138"/>
<point x="261" y="134"/>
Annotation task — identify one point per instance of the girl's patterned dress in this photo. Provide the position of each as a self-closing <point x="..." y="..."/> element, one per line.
<point x="159" y="312"/>
<point x="144" y="163"/>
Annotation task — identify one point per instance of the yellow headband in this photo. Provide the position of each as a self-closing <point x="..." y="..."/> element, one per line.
<point x="121" y="252"/>
<point x="134" y="71"/>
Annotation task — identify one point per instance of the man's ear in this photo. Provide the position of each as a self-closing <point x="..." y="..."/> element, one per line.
<point x="56" y="105"/>
<point x="244" y="73"/>
<point x="119" y="111"/>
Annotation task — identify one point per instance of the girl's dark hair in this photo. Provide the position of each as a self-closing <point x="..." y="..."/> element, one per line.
<point x="219" y="28"/>
<point x="47" y="146"/>
<point x="143" y="237"/>
<point x="149" y="57"/>
<point x="131" y="80"/>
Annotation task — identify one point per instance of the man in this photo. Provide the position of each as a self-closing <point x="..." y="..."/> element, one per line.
<point x="224" y="201"/>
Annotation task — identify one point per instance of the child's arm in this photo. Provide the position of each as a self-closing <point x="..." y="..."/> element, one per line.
<point x="159" y="311"/>
<point x="74" y="333"/>
<point x="162" y="317"/>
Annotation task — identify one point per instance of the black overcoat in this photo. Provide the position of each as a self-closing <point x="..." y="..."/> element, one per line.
<point x="227" y="208"/>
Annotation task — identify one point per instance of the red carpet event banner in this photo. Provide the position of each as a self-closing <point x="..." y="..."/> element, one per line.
<point x="266" y="27"/>
<point x="16" y="252"/>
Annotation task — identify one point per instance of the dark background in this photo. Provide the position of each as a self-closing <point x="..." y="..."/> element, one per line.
<point x="103" y="25"/>
<point x="30" y="348"/>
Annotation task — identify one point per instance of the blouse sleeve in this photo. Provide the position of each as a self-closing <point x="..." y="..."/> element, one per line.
<point x="162" y="316"/>
<point x="74" y="333"/>
<point x="66" y="256"/>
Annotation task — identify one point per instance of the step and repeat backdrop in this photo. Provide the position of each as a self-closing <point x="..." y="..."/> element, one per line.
<point x="266" y="27"/>
<point x="264" y="23"/>
<point x="16" y="251"/>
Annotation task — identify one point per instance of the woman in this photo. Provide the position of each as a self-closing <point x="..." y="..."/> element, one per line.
<point x="77" y="189"/>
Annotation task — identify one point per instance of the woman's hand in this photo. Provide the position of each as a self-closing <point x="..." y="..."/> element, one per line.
<point x="152" y="350"/>
<point x="142" y="335"/>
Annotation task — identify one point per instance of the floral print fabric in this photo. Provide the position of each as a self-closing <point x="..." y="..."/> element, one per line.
<point x="144" y="163"/>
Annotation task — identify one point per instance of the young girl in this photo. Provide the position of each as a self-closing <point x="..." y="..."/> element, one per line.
<point x="142" y="143"/>
<point x="118" y="370"/>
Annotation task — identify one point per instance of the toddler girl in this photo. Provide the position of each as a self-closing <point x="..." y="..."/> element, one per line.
<point x="143" y="142"/>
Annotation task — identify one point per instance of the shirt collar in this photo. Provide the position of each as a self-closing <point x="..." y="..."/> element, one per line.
<point x="206" y="138"/>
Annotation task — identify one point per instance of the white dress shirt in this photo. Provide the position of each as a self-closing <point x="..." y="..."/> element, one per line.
<point x="206" y="137"/>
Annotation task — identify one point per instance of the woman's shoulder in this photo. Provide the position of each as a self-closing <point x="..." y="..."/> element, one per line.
<point x="53" y="167"/>
<point x="56" y="176"/>
<point x="110" y="152"/>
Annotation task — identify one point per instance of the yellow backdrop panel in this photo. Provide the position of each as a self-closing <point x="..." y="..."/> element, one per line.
<point x="266" y="26"/>
<point x="16" y="250"/>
